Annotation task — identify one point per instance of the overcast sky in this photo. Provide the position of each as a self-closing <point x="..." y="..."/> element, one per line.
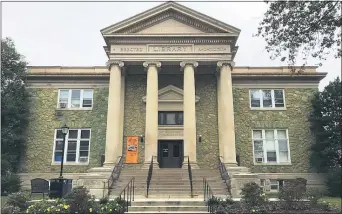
<point x="68" y="34"/>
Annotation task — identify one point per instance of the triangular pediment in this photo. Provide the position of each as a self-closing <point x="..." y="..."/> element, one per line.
<point x="163" y="18"/>
<point x="171" y="94"/>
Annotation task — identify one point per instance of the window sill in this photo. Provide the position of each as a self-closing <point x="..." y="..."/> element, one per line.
<point x="74" y="109"/>
<point x="268" y="109"/>
<point x="170" y="126"/>
<point x="272" y="164"/>
<point x="69" y="164"/>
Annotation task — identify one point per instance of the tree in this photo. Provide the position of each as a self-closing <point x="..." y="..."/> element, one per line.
<point x="305" y="27"/>
<point x="326" y="125"/>
<point x="14" y="112"/>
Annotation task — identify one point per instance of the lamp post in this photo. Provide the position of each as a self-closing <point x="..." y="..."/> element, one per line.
<point x="65" y="130"/>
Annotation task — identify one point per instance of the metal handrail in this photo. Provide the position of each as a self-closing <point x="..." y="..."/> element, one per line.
<point x="208" y="194"/>
<point x="115" y="174"/>
<point x="224" y="175"/>
<point x="190" y="177"/>
<point x="149" y="176"/>
<point x="128" y="194"/>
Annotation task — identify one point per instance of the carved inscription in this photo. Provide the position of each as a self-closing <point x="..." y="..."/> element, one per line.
<point x="128" y="48"/>
<point x="212" y="49"/>
<point x="170" y="48"/>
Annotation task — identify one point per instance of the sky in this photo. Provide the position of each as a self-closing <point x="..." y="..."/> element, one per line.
<point x="68" y="33"/>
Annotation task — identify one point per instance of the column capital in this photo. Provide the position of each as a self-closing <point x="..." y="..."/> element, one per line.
<point x="194" y="64"/>
<point x="111" y="63"/>
<point x="152" y="63"/>
<point x="231" y="64"/>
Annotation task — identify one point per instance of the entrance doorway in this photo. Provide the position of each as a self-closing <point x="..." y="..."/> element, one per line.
<point x="170" y="153"/>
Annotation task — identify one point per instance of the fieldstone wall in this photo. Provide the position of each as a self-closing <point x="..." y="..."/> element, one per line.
<point x="43" y="122"/>
<point x="294" y="118"/>
<point x="207" y="121"/>
<point x="135" y="112"/>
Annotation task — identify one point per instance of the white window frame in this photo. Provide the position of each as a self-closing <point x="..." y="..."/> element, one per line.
<point x="81" y="98"/>
<point x="261" y="98"/>
<point x="274" y="190"/>
<point x="275" y="132"/>
<point x="66" y="148"/>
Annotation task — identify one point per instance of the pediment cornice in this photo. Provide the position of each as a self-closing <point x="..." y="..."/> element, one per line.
<point x="166" y="11"/>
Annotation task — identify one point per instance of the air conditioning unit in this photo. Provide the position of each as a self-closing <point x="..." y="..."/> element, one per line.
<point x="83" y="159"/>
<point x="259" y="160"/>
<point x="62" y="105"/>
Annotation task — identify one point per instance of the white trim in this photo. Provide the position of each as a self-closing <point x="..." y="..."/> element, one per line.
<point x="78" y="139"/>
<point x="263" y="139"/>
<point x="81" y="99"/>
<point x="261" y="99"/>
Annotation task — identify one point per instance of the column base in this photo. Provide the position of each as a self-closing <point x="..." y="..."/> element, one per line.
<point x="227" y="165"/>
<point x="109" y="164"/>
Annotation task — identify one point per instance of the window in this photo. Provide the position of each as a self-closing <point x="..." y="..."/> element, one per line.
<point x="274" y="185"/>
<point x="170" y="118"/>
<point x="77" y="143"/>
<point x="267" y="98"/>
<point x="75" y="98"/>
<point x="271" y="146"/>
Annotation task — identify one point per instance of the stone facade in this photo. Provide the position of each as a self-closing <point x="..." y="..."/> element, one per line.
<point x="206" y="121"/>
<point x="294" y="118"/>
<point x="43" y="122"/>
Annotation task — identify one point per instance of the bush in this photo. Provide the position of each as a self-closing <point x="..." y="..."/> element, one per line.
<point x="293" y="190"/>
<point x="313" y="195"/>
<point x="10" y="183"/>
<point x="333" y="182"/>
<point x="79" y="200"/>
<point x="53" y="207"/>
<point x="104" y="200"/>
<point x="18" y="199"/>
<point x="252" y="194"/>
<point x="9" y="209"/>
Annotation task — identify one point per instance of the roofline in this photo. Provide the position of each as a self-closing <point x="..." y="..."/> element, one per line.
<point x="179" y="7"/>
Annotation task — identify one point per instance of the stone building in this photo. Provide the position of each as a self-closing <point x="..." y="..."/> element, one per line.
<point x="171" y="90"/>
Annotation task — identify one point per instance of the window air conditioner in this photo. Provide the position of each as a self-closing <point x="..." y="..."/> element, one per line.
<point x="62" y="105"/>
<point x="83" y="159"/>
<point x="259" y="160"/>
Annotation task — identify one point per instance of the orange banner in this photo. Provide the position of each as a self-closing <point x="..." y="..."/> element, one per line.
<point x="132" y="149"/>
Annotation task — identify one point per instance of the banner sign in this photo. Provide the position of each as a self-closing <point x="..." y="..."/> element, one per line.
<point x="132" y="149"/>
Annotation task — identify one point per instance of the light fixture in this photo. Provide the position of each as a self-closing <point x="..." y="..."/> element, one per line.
<point x="141" y="138"/>
<point x="65" y="129"/>
<point x="199" y="138"/>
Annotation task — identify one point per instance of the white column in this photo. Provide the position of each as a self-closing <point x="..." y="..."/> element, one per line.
<point x="226" y="113"/>
<point x="151" y="123"/>
<point x="189" y="110"/>
<point x="113" y="135"/>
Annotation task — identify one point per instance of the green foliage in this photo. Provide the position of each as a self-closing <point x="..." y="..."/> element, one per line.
<point x="252" y="194"/>
<point x="79" y="200"/>
<point x="326" y="125"/>
<point x="53" y="207"/>
<point x="104" y="200"/>
<point x="313" y="195"/>
<point x="305" y="27"/>
<point x="14" y="109"/>
<point x="18" y="199"/>
<point x="333" y="182"/>
<point x="9" y="209"/>
<point x="10" y="183"/>
<point x="292" y="192"/>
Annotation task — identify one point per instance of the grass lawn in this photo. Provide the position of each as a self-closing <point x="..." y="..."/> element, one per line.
<point x="334" y="201"/>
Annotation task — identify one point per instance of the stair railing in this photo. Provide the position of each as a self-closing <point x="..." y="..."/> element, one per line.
<point x="149" y="176"/>
<point x="224" y="175"/>
<point x="127" y="194"/>
<point x="190" y="177"/>
<point x="208" y="194"/>
<point x="114" y="176"/>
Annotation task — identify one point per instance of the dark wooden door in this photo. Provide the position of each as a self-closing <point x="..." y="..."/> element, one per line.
<point x="170" y="154"/>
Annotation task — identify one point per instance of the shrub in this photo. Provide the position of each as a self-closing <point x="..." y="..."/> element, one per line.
<point x="333" y="182"/>
<point x="79" y="200"/>
<point x="10" y="183"/>
<point x="9" y="209"/>
<point x="104" y="200"/>
<point x="53" y="207"/>
<point x="293" y="190"/>
<point x="18" y="199"/>
<point x="313" y="195"/>
<point x="252" y="194"/>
